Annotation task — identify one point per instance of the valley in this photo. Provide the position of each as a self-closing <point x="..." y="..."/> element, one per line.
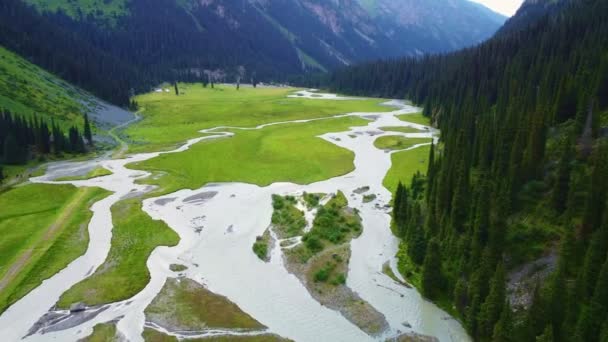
<point x="303" y="170"/>
<point x="303" y="142"/>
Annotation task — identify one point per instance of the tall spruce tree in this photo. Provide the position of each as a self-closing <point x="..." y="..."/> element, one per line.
<point x="87" y="130"/>
<point x="432" y="278"/>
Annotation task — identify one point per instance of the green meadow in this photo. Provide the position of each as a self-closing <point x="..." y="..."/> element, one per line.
<point x="402" y="129"/>
<point x="416" y="118"/>
<point x="289" y="152"/>
<point x="397" y="142"/>
<point x="405" y="165"/>
<point x="43" y="228"/>
<point x="169" y="120"/>
<point x="97" y="172"/>
<point x="124" y="272"/>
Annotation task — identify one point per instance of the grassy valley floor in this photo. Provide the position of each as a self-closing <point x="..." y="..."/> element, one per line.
<point x="169" y="120"/>
<point x="286" y="152"/>
<point x="43" y="228"/>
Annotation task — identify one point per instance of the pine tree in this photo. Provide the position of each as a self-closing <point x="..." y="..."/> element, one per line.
<point x="562" y="183"/>
<point x="493" y="304"/>
<point x="432" y="279"/>
<point x="557" y="302"/>
<point x="596" y="311"/>
<point x="12" y="151"/>
<point x="596" y="198"/>
<point x="87" y="130"/>
<point x="430" y="173"/>
<point x="503" y="330"/>
<point x="604" y="332"/>
<point x="176" y="89"/>
<point x="1" y="174"/>
<point x="596" y="253"/>
<point x="536" y="318"/>
<point x="460" y="295"/>
<point x="547" y="335"/>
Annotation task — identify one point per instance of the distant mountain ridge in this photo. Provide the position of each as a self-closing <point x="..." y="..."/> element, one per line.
<point x="116" y="47"/>
<point x="321" y="34"/>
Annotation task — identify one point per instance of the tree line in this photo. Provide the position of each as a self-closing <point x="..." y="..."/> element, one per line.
<point x="23" y="139"/>
<point x="521" y="172"/>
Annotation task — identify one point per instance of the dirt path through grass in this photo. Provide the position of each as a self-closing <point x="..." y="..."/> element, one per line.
<point x="50" y="233"/>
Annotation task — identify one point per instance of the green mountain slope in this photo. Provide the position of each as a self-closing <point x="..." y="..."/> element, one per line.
<point x="26" y="89"/>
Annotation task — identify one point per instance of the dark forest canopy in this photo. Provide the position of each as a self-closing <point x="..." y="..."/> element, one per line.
<point x="23" y="139"/>
<point x="521" y="172"/>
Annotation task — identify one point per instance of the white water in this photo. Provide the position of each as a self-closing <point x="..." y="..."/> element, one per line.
<point x="221" y="258"/>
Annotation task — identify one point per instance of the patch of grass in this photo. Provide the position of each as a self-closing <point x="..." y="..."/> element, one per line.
<point x="97" y="172"/>
<point x="255" y="338"/>
<point x="50" y="221"/>
<point x="312" y="200"/>
<point x="332" y="272"/>
<point x="262" y="244"/>
<point x="177" y="268"/>
<point x="185" y="305"/>
<point x="335" y="221"/>
<point x="290" y="153"/>
<point x="408" y="269"/>
<point x="416" y="118"/>
<point x="288" y="221"/>
<point x="402" y="129"/>
<point x="388" y="271"/>
<point x="397" y="142"/>
<point x="102" y="332"/>
<point x="169" y="120"/>
<point x="29" y="91"/>
<point x="405" y="165"/>
<point x="260" y="248"/>
<point x="334" y="224"/>
<point x="369" y="198"/>
<point x="124" y="272"/>
<point x="151" y="335"/>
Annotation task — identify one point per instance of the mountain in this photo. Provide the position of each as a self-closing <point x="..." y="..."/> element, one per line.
<point x="115" y="47"/>
<point x="530" y="12"/>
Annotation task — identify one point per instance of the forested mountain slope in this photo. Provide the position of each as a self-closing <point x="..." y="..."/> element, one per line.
<point x="531" y="11"/>
<point x="116" y="47"/>
<point x="520" y="175"/>
<point x="30" y="91"/>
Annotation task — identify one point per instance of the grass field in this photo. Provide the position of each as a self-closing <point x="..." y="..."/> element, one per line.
<point x="97" y="172"/>
<point x="124" y="273"/>
<point x="416" y="118"/>
<point x="169" y="120"/>
<point x="401" y="129"/>
<point x="289" y="152"/>
<point x="405" y="165"/>
<point x="185" y="305"/>
<point x="103" y="332"/>
<point x="397" y="142"/>
<point x="151" y="335"/>
<point x="43" y="228"/>
<point x="25" y="89"/>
